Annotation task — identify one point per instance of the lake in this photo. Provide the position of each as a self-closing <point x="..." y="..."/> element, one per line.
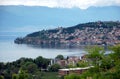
<point x="9" y="51"/>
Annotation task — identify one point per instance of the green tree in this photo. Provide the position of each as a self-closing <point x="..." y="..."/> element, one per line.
<point x="15" y="76"/>
<point x="7" y="73"/>
<point x="106" y="63"/>
<point x="23" y="75"/>
<point x="1" y="77"/>
<point x="54" y="67"/>
<point x="95" y="54"/>
<point x="61" y="57"/>
<point x="42" y="62"/>
<point x="72" y="76"/>
<point x="82" y="64"/>
<point x="116" y="52"/>
<point x="30" y="67"/>
<point x="1" y="65"/>
<point x="105" y="66"/>
<point x="115" y="56"/>
<point x="38" y="75"/>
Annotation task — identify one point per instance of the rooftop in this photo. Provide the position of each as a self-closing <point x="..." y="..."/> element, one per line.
<point x="68" y="69"/>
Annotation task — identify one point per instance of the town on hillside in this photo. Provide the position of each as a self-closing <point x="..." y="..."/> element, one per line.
<point x="93" y="33"/>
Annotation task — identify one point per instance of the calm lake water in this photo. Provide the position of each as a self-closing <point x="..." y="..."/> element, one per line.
<point x="11" y="52"/>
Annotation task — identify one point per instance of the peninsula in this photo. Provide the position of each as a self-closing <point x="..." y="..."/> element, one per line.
<point x="92" y="33"/>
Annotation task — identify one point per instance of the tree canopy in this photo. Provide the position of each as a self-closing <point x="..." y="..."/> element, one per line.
<point x="61" y="57"/>
<point x="105" y="66"/>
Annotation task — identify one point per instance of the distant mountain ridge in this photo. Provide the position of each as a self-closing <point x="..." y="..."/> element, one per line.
<point x="22" y="18"/>
<point x="92" y="33"/>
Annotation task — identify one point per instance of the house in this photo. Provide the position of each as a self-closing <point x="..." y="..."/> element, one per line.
<point x="70" y="60"/>
<point x="62" y="63"/>
<point x="63" y="72"/>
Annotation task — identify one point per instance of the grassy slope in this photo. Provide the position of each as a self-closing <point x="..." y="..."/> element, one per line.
<point x="50" y="75"/>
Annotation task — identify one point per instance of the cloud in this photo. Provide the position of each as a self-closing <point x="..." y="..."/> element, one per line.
<point x="83" y="4"/>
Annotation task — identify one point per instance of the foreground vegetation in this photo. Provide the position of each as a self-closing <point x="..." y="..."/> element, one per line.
<point x="105" y="66"/>
<point x="24" y="68"/>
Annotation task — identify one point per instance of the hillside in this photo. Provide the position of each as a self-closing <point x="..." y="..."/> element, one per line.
<point x="92" y="33"/>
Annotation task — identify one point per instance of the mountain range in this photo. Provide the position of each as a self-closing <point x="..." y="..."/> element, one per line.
<point x="35" y="18"/>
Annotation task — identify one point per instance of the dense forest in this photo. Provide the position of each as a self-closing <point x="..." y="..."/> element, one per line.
<point x="92" y="33"/>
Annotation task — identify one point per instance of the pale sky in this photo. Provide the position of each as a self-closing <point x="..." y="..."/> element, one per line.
<point x="82" y="4"/>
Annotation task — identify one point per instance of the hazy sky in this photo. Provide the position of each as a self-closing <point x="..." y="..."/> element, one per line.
<point x="82" y="4"/>
<point x="35" y="15"/>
